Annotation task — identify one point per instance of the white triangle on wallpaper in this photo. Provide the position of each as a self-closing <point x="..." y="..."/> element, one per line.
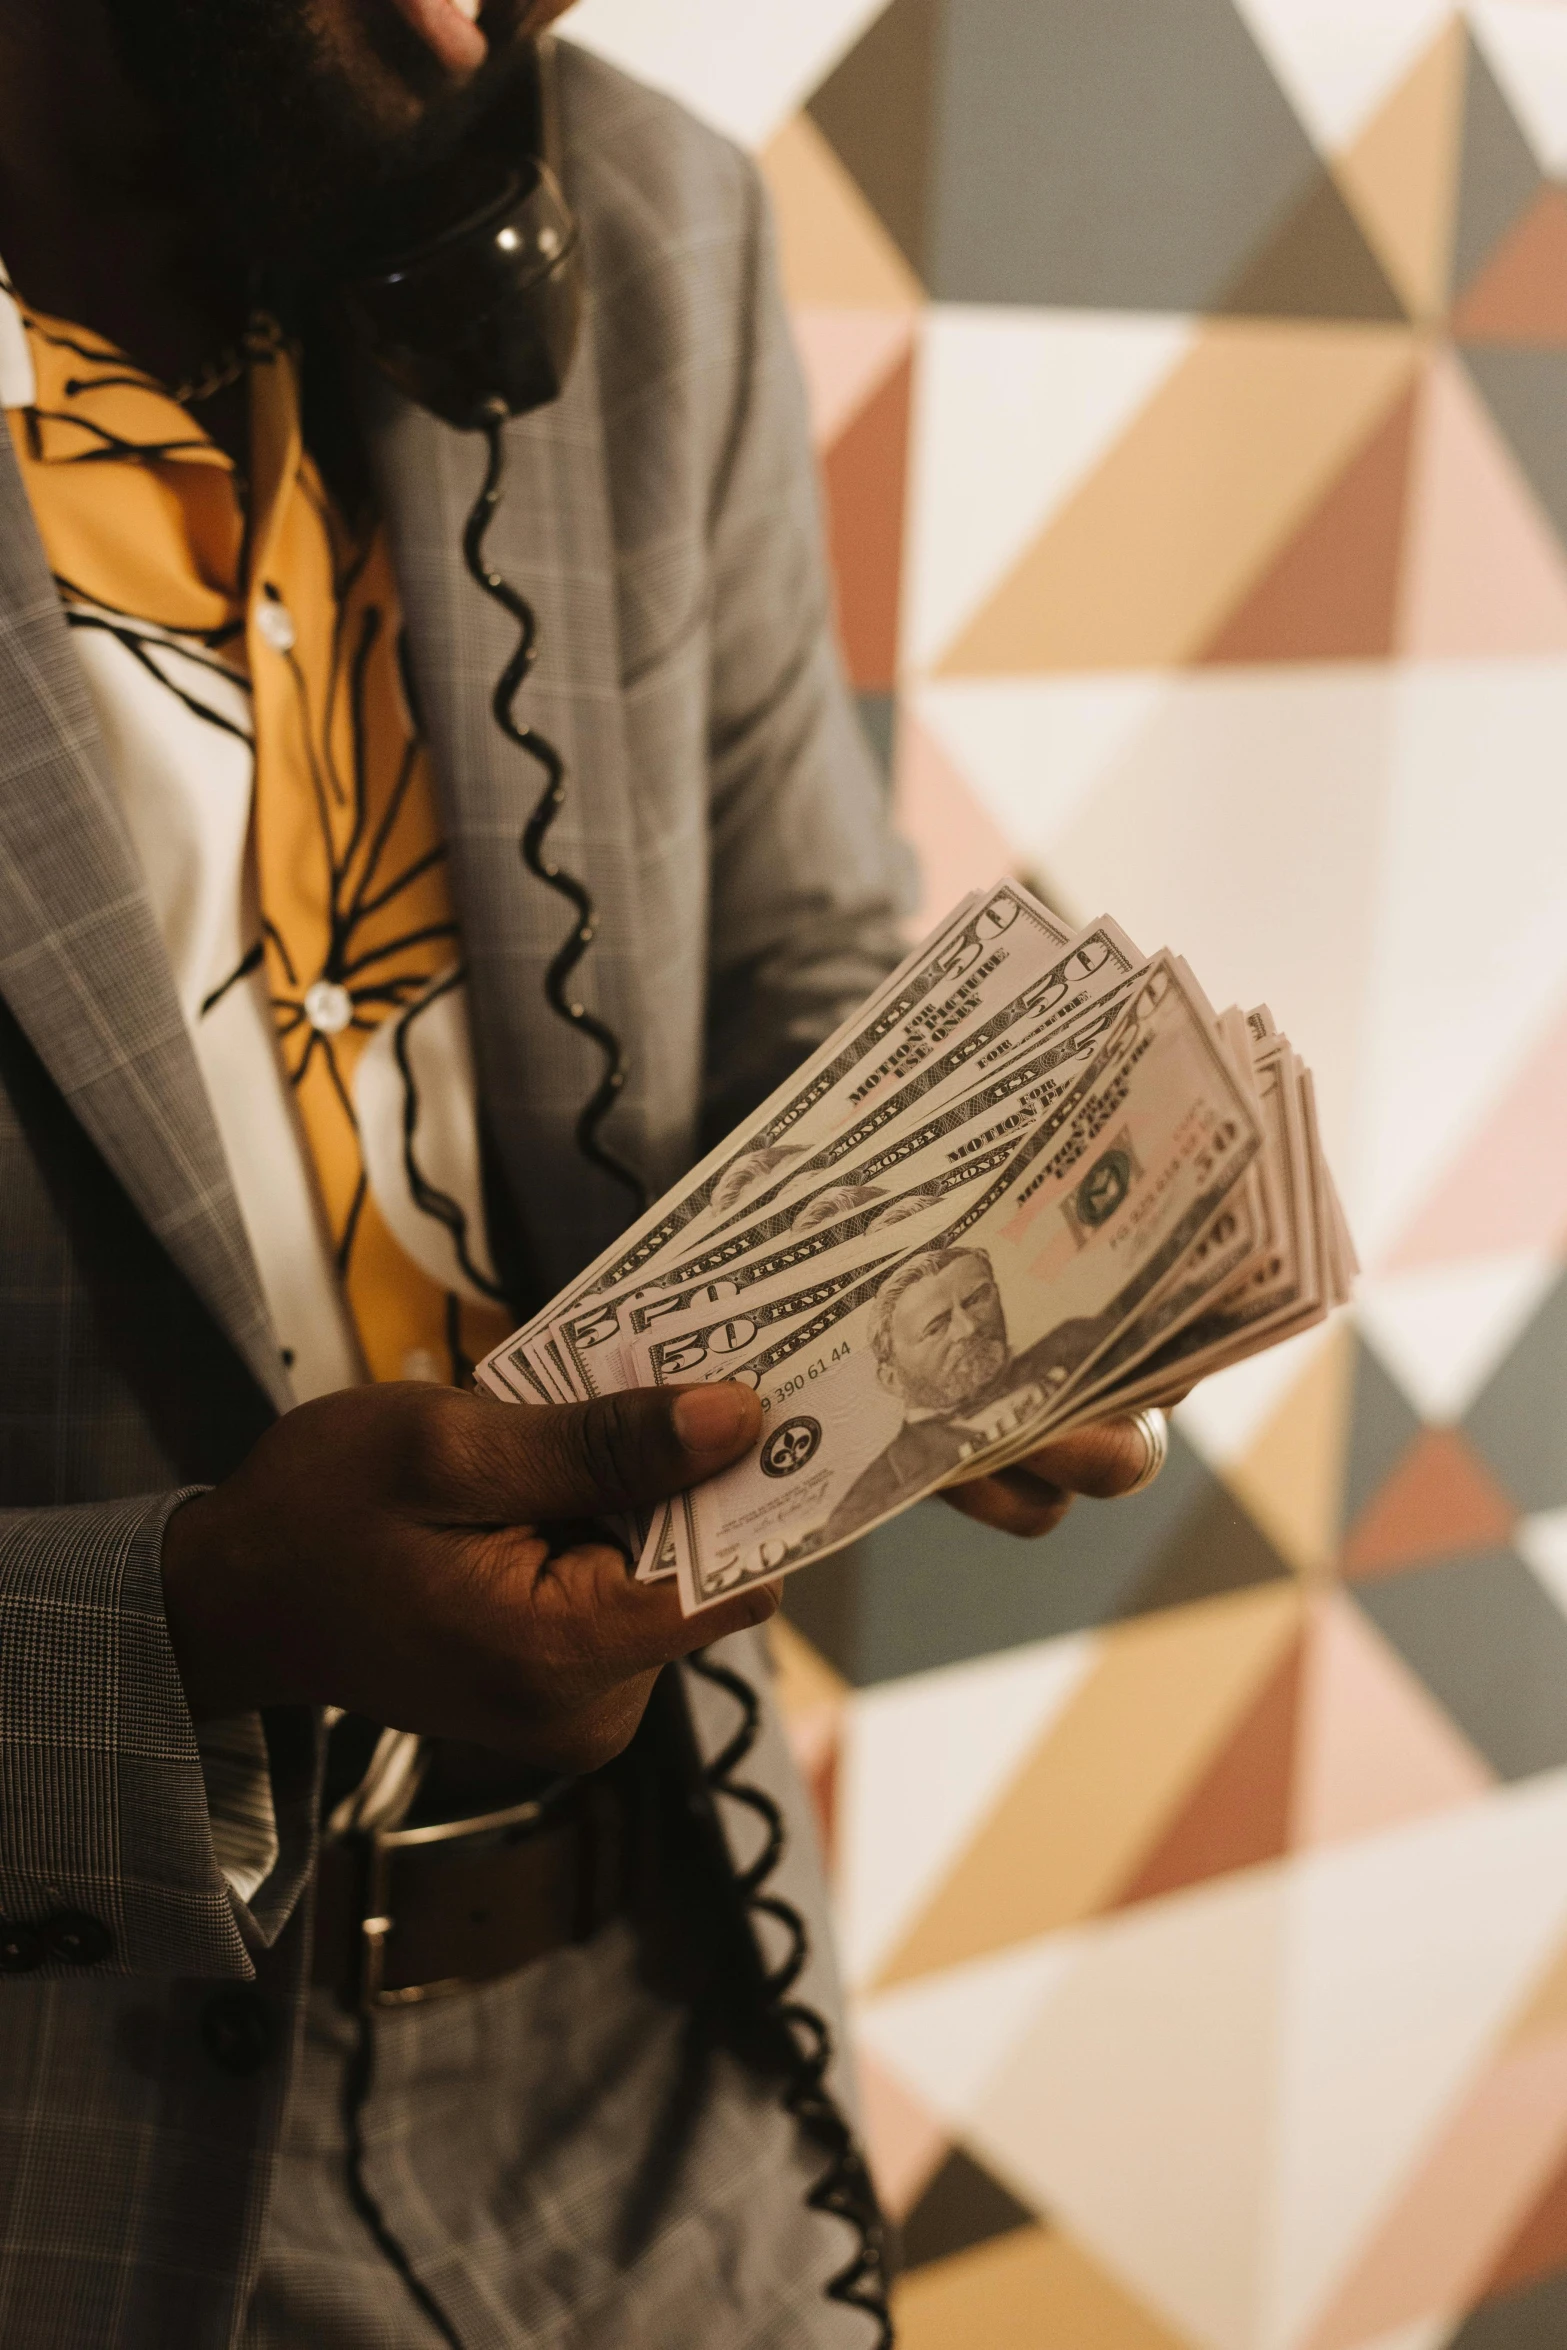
<point x="1468" y="964"/>
<point x="1032" y="749"/>
<point x="745" y="70"/>
<point x="1542" y="1542"/>
<point x="1525" y="46"/>
<point x="1338" y="59"/>
<point x="1444" y="1329"/>
<point x="921" y="1763"/>
<point x="1408" y="1953"/>
<point x="1013" y="409"/>
<point x="947" y="2034"/>
<point x="1137" y="2105"/>
<point x="1243" y="823"/>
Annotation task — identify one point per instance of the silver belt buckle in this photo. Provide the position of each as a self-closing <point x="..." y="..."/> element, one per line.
<point x="378" y="1920"/>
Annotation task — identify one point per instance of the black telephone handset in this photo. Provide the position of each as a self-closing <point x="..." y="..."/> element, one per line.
<point x="482" y="317"/>
<point x="478" y="321"/>
<point x="473" y="303"/>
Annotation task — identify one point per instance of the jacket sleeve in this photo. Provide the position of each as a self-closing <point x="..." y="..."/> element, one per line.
<point x="809" y="882"/>
<point x="103" y="1797"/>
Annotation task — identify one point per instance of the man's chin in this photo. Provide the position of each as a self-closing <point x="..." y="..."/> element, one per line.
<point x="295" y="124"/>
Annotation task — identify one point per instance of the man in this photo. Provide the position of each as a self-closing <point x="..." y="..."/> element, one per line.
<point x="289" y="1133"/>
<point x="940" y="1341"/>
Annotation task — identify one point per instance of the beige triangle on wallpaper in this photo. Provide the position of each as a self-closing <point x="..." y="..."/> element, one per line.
<point x="1212" y="478"/>
<point x="1401" y="174"/>
<point x="834" y="250"/>
<point x="1114" y="1768"/>
<point x="1022" y="2291"/>
<point x="1290" y="1477"/>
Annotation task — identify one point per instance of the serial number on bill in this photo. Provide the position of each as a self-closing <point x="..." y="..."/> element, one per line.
<point x="802" y="1379"/>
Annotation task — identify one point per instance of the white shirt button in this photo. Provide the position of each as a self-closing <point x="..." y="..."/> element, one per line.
<point x="328" y="1007"/>
<point x="276" y="624"/>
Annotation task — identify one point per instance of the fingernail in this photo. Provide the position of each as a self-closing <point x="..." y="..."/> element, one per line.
<point x="763" y="1604"/>
<point x="712" y="1419"/>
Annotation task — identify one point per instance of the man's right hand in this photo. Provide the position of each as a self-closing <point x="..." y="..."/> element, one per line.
<point x="418" y="1556"/>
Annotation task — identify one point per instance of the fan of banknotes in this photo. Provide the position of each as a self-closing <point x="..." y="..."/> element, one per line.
<point x="1035" y="1181"/>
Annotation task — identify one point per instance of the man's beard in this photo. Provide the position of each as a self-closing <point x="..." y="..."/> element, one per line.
<point x="276" y="148"/>
<point x="966" y="1372"/>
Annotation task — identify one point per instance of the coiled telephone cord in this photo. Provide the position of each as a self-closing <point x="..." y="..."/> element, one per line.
<point x="513" y="678"/>
<point x="845" y="2191"/>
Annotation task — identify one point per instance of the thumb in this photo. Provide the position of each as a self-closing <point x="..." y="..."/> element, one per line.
<point x="589" y="1460"/>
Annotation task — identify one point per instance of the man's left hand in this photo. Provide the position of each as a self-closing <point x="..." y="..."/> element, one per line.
<point x="1034" y="1495"/>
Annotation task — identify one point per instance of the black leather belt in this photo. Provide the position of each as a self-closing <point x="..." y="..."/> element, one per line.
<point x="414" y="1913"/>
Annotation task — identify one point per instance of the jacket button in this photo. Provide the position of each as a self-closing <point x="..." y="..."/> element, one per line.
<point x="237" y="2031"/>
<point x="75" y="1938"/>
<point x="21" y="1948"/>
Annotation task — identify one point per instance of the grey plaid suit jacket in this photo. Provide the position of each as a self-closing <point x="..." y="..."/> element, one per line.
<point x="724" y="814"/>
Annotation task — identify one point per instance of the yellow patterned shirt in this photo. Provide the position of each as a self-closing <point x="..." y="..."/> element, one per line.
<point x="243" y="648"/>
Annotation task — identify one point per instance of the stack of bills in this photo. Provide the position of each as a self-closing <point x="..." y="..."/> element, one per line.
<point x="1035" y="1181"/>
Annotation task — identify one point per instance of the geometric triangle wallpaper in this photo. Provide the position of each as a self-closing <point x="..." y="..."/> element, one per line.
<point x="1189" y="383"/>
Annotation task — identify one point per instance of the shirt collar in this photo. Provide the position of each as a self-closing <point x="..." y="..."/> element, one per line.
<point x="86" y="398"/>
<point x="18" y="384"/>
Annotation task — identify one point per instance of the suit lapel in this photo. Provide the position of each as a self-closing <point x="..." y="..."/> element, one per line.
<point x="82" y="965"/>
